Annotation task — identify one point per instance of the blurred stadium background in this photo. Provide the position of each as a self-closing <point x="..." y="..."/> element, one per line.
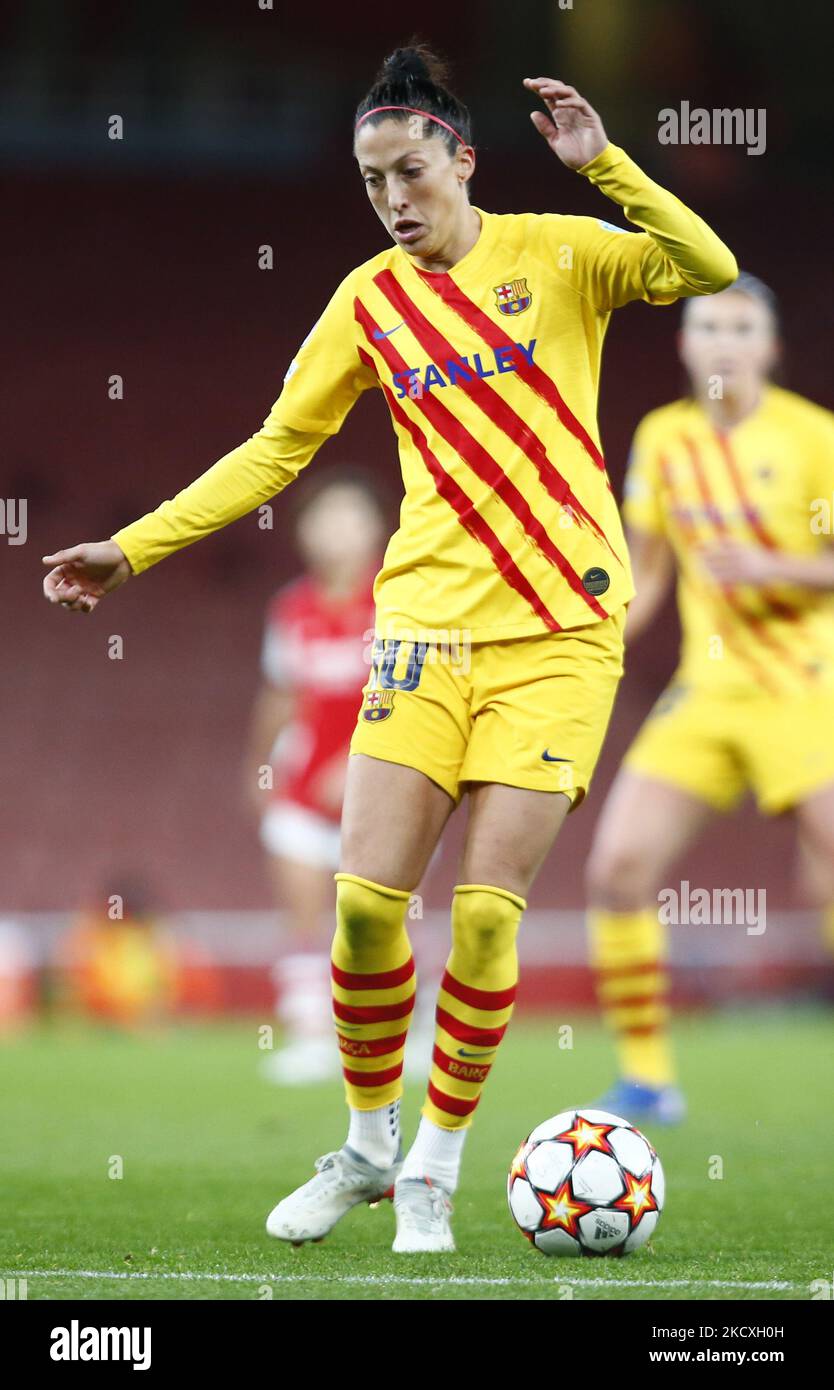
<point x="139" y="258"/>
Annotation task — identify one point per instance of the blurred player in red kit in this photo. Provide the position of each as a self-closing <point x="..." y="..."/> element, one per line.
<point x="314" y="663"/>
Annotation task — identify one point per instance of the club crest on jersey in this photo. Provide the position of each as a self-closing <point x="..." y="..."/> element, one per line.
<point x="379" y="704"/>
<point x="513" y="297"/>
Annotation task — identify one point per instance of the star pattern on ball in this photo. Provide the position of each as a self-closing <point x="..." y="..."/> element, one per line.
<point x="518" y="1169"/>
<point x="562" y="1210"/>
<point x="586" y="1136"/>
<point x="637" y="1199"/>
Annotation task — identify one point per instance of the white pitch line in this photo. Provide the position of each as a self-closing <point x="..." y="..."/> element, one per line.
<point x="774" y="1285"/>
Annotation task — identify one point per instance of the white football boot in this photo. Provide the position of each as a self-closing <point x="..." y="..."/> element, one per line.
<point x="422" y="1210"/>
<point x="342" y="1180"/>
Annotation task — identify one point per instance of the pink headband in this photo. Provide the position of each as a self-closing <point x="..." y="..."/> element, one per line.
<point x="416" y="111"/>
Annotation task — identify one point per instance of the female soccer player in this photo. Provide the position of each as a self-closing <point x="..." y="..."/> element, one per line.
<point x="501" y="599"/>
<point x="721" y="486"/>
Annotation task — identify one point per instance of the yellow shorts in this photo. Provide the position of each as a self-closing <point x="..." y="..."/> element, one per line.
<point x="716" y="745"/>
<point x="525" y="711"/>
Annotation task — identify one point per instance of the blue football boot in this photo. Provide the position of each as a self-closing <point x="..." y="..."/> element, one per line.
<point x="662" y="1105"/>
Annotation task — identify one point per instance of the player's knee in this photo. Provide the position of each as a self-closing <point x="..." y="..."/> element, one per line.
<point x="484" y="927"/>
<point x="618" y="878"/>
<point x="367" y="914"/>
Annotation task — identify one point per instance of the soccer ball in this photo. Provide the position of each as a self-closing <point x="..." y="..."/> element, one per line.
<point x="586" y="1183"/>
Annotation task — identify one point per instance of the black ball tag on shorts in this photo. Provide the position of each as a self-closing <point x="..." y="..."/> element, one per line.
<point x="595" y="581"/>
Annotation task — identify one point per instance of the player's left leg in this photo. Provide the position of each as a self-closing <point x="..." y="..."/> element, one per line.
<point x="540" y="708"/>
<point x="510" y="831"/>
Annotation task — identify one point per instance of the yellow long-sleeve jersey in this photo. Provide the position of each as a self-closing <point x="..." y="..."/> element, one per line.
<point x="756" y="484"/>
<point x="490" y="373"/>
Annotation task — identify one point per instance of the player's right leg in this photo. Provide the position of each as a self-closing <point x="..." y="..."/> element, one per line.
<point x="645" y="825"/>
<point x="393" y="817"/>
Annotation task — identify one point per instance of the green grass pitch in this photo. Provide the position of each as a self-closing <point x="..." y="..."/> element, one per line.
<point x="208" y="1147"/>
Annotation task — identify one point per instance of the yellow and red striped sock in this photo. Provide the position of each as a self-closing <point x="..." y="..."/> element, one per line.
<point x="373" y="989"/>
<point x="628" y="955"/>
<point x="475" y="1002"/>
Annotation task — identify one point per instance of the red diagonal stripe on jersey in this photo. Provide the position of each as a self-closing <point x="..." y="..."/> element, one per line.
<point x="478" y="998"/>
<point x="373" y="1013"/>
<point x="754" y="521"/>
<point x="372" y="1078"/>
<point x="711" y="592"/>
<point x="451" y="1104"/>
<point x="371" y="1047"/>
<point x="469" y="518"/>
<point x="537" y="379"/>
<point x="499" y="411"/>
<point x="466" y="1033"/>
<point x="461" y="1070"/>
<point x="386" y="979"/>
<point x="714" y="514"/>
<point x="481" y="463"/>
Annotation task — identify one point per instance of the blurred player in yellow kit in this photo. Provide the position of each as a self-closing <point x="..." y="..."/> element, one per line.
<point x="501" y="599"/>
<point x="118" y="962"/>
<point x="729" y="489"/>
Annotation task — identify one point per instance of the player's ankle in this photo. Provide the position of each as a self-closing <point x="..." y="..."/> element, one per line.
<point x="375" y="1134"/>
<point x="435" y="1154"/>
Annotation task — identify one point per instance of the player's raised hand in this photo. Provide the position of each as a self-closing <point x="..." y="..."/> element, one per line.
<point x="83" y="574"/>
<point x="573" y="130"/>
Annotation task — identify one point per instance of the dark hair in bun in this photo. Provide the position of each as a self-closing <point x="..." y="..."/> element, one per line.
<point x="417" y="76"/>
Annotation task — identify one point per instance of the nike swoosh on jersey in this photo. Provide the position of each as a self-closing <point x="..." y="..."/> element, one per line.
<point x="548" y="758"/>
<point x="378" y="333"/>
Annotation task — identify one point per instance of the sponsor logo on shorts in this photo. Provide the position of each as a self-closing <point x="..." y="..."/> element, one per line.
<point x="379" y="704"/>
<point x="550" y="758"/>
<point x="595" y="580"/>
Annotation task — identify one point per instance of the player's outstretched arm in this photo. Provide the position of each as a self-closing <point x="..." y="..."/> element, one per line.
<point x="80" y="576"/>
<point x="242" y="480"/>
<point x="324" y="380"/>
<point x="680" y="255"/>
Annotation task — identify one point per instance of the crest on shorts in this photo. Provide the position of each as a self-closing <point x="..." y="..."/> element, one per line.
<point x="378" y="705"/>
<point x="513" y="297"/>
